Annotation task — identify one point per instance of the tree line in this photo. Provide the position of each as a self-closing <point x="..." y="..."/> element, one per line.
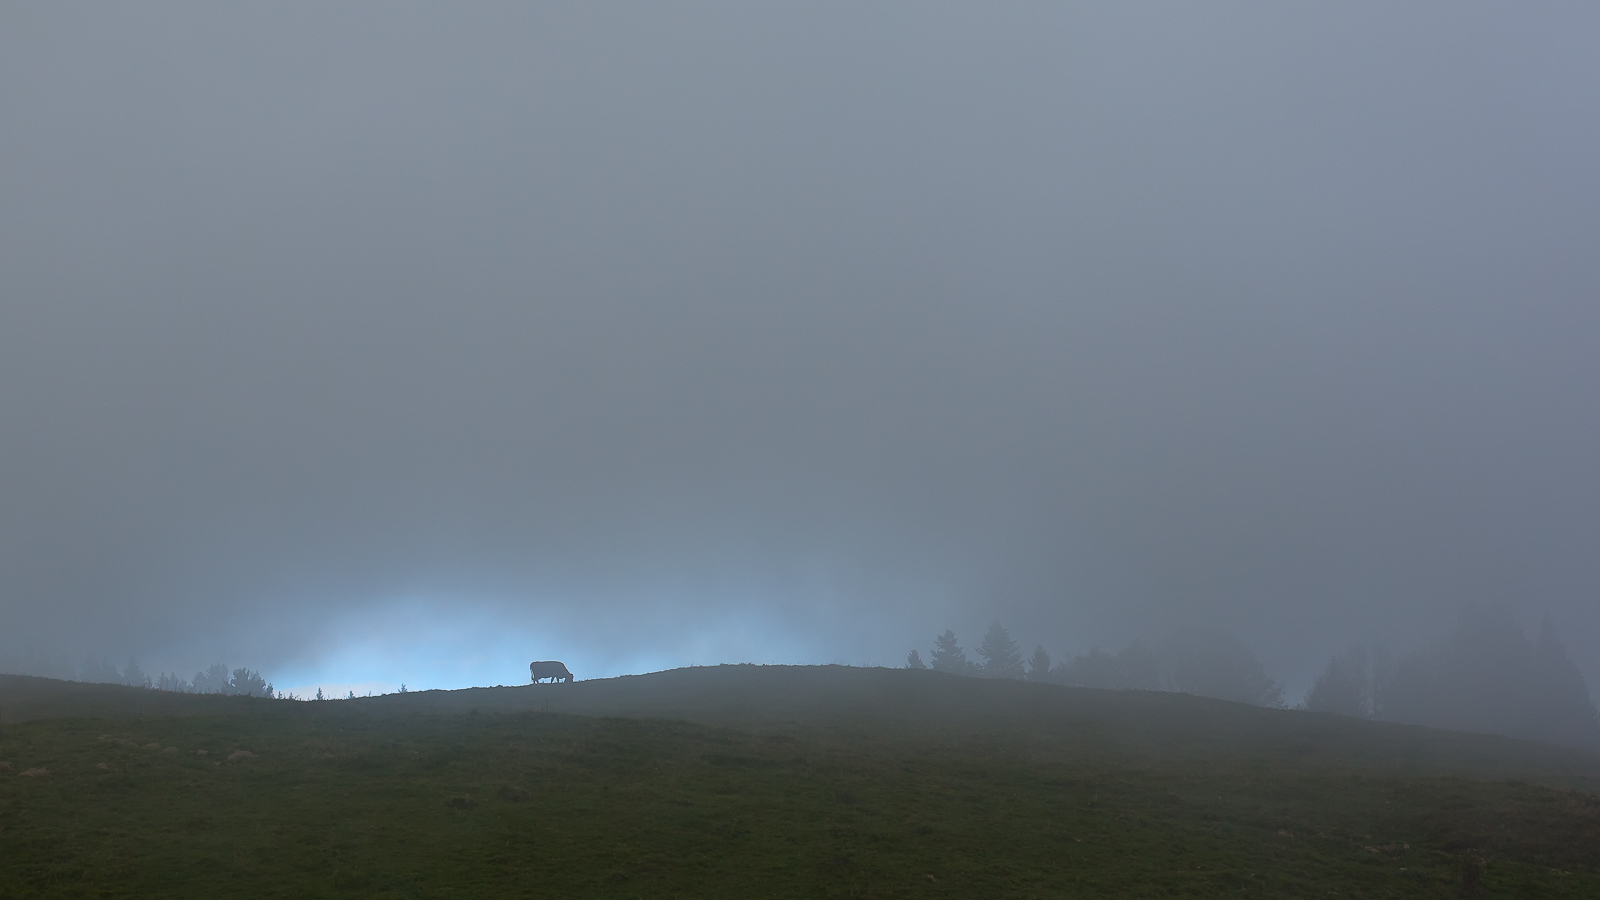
<point x="218" y="679"/>
<point x="1486" y="675"/>
<point x="1206" y="662"/>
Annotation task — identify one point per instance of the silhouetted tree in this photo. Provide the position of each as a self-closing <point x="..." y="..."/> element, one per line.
<point x="1039" y="664"/>
<point x="98" y="671"/>
<point x="1382" y="672"/>
<point x="1563" y="704"/>
<point x="948" y="656"/>
<point x="1344" y="687"/>
<point x="1134" y="668"/>
<point x="133" y="675"/>
<point x="1216" y="664"/>
<point x="172" y="681"/>
<point x="319" y="694"/>
<point x="914" y="660"/>
<point x="1095" y="669"/>
<point x="214" y="680"/>
<point x="1487" y="676"/>
<point x="247" y="683"/>
<point x="1002" y="658"/>
<point x="1138" y="668"/>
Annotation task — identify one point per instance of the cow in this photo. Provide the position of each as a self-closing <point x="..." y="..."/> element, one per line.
<point x="549" y="668"/>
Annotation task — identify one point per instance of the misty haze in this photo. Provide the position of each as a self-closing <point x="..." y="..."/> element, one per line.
<point x="803" y="402"/>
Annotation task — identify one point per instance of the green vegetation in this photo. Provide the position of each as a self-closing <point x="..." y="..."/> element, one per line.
<point x="773" y="782"/>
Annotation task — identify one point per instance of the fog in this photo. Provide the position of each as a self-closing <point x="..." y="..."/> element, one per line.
<point x="370" y="344"/>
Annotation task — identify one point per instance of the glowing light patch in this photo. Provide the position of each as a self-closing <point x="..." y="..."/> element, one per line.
<point x="432" y="643"/>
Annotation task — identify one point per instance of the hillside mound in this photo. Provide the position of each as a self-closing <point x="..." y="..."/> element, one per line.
<point x="896" y="705"/>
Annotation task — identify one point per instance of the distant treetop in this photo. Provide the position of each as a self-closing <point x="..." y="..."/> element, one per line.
<point x="948" y="655"/>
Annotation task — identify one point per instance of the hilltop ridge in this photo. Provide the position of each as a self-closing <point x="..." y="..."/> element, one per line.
<point x="899" y="705"/>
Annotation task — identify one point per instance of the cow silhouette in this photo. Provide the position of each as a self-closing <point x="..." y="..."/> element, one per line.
<point x="549" y="668"/>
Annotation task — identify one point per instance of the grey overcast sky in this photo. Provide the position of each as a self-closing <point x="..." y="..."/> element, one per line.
<point x="384" y="342"/>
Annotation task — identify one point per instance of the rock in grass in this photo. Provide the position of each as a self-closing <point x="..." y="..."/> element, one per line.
<point x="35" y="773"/>
<point x="240" y="754"/>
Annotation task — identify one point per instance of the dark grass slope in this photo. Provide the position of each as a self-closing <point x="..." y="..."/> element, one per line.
<point x="926" y="705"/>
<point x="746" y="781"/>
<point x="922" y="706"/>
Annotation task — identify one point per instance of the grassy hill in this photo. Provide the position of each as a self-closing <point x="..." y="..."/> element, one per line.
<point x="771" y="781"/>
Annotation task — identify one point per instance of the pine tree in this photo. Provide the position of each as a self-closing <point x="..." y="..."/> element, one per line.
<point x="1212" y="663"/>
<point x="134" y="676"/>
<point x="1383" y="667"/>
<point x="99" y="671"/>
<point x="247" y="683"/>
<point x="948" y="655"/>
<point x="1344" y="687"/>
<point x="1002" y="658"/>
<point x="1563" y="707"/>
<point x="1488" y="676"/>
<point x="213" y="680"/>
<point x="1095" y="669"/>
<point x="1133" y="668"/>
<point x="1039" y="665"/>
<point x="914" y="660"/>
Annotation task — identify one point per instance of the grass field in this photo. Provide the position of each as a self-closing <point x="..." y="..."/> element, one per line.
<point x="771" y="782"/>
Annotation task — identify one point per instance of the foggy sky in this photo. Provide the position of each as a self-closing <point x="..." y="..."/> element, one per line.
<point x="387" y="342"/>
